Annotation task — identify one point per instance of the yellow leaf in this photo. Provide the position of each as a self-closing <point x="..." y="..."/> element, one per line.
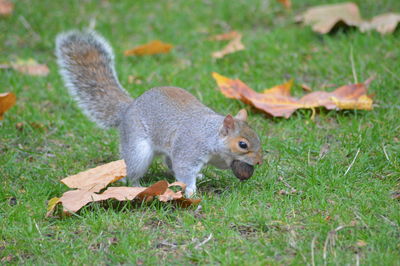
<point x="51" y="205"/>
<point x="153" y="47"/>
<point x="7" y="100"/>
<point x="277" y="101"/>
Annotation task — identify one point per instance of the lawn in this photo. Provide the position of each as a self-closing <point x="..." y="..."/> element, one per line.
<point x="324" y="194"/>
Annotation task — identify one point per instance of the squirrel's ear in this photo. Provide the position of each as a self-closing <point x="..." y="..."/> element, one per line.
<point x="228" y="125"/>
<point x="242" y="115"/>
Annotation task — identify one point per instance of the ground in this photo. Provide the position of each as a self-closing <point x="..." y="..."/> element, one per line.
<point x="323" y="195"/>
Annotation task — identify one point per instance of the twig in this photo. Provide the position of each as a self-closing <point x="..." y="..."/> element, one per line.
<point x="331" y="238"/>
<point x="351" y="165"/>
<point x="37" y="228"/>
<point x="312" y="250"/>
<point x="5" y="66"/>
<point x="357" y="259"/>
<point x="389" y="222"/>
<point x="29" y="27"/>
<point x="386" y="155"/>
<point x="92" y="23"/>
<point x="204" y="241"/>
<point x="390" y="72"/>
<point x="353" y="68"/>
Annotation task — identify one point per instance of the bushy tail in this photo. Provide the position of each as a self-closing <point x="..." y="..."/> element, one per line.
<point x="86" y="64"/>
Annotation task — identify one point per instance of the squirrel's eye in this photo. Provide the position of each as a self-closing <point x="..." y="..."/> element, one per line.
<point x="242" y="144"/>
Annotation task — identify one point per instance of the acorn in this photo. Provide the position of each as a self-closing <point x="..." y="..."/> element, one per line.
<point x="242" y="170"/>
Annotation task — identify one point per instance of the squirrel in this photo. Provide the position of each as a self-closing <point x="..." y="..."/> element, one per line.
<point x="165" y="121"/>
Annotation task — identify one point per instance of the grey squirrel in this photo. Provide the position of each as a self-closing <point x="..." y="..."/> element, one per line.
<point x="165" y="121"/>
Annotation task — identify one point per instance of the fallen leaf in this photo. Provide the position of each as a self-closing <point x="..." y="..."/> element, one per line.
<point x="89" y="182"/>
<point x="151" y="48"/>
<point x="30" y="67"/>
<point x="361" y="243"/>
<point x="396" y="195"/>
<point x="225" y="36"/>
<point x="97" y="178"/>
<point x="286" y="3"/>
<point x="278" y="102"/>
<point x="305" y="87"/>
<point x="384" y="24"/>
<point x="6" y="7"/>
<point x="323" y="19"/>
<point x="326" y="18"/>
<point x="234" y="45"/>
<point x="7" y="100"/>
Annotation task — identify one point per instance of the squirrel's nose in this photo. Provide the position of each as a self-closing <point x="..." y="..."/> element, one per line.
<point x="259" y="160"/>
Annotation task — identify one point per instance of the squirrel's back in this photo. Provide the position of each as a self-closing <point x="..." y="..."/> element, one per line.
<point x="86" y="64"/>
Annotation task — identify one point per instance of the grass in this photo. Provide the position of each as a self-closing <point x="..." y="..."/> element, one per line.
<point x="251" y="222"/>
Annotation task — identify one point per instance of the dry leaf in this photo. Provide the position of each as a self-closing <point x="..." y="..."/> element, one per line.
<point x="6" y="7"/>
<point x="153" y="47"/>
<point x="384" y="24"/>
<point x="73" y="200"/>
<point x="234" y="45"/>
<point x="30" y="67"/>
<point x="278" y="102"/>
<point x="325" y="18"/>
<point x="97" y="178"/>
<point x="305" y="87"/>
<point x="225" y="36"/>
<point x="7" y="100"/>
<point x="286" y="3"/>
<point x="89" y="182"/>
<point x="361" y="243"/>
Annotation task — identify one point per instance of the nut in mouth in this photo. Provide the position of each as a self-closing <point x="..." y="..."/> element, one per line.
<point x="242" y="170"/>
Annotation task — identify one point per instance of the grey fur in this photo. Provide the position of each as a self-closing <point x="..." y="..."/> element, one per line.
<point x="163" y="121"/>
<point x="86" y="63"/>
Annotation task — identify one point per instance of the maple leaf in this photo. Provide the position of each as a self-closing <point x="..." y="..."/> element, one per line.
<point x="278" y="101"/>
<point x="89" y="182"/>
<point x="7" y="100"/>
<point x="234" y="45"/>
<point x="151" y="48"/>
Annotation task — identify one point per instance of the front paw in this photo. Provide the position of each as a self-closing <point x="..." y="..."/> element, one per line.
<point x="190" y="192"/>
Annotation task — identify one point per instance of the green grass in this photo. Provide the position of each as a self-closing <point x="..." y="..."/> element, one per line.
<point x="250" y="222"/>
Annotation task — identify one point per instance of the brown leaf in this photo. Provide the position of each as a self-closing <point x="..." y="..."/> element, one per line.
<point x="278" y="102"/>
<point x="305" y="87"/>
<point x="30" y="67"/>
<point x="286" y="3"/>
<point x="151" y="48"/>
<point x="96" y="179"/>
<point x="74" y="200"/>
<point x="325" y="18"/>
<point x="384" y="24"/>
<point x="234" y="45"/>
<point x="6" y="7"/>
<point x="7" y="100"/>
<point x="93" y="180"/>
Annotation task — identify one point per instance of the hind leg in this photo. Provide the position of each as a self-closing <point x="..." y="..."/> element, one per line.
<point x="138" y="155"/>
